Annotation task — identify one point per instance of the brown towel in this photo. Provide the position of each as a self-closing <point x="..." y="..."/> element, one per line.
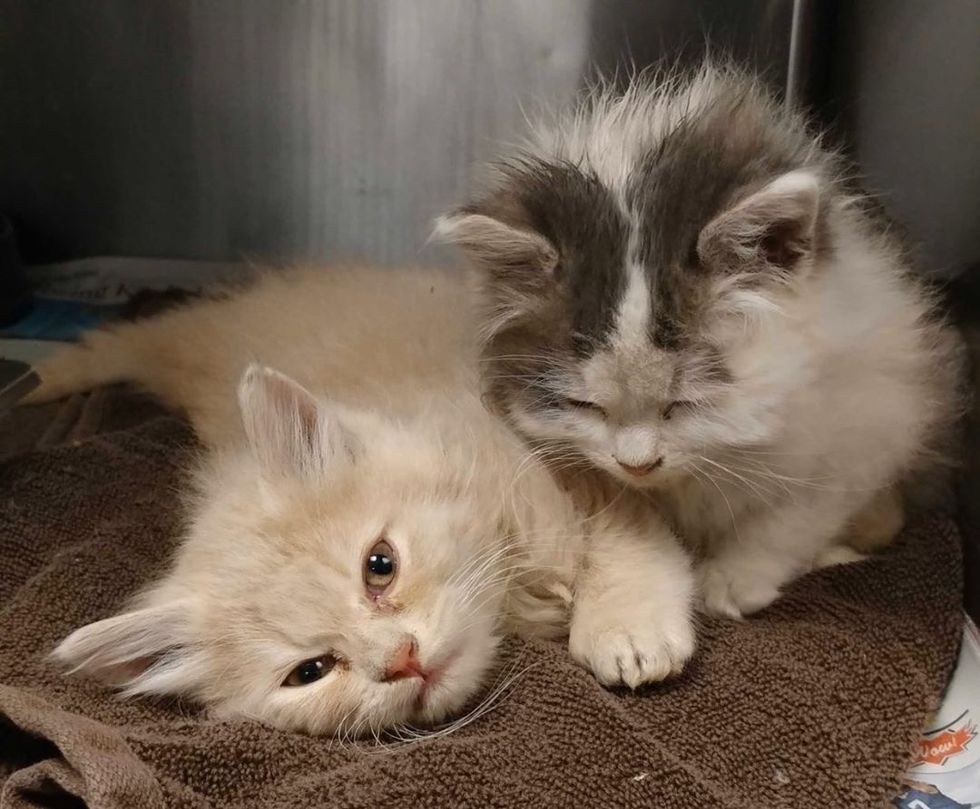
<point x="817" y="702"/>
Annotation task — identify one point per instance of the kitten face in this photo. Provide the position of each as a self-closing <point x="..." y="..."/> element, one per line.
<point x="633" y="267"/>
<point x="330" y="587"/>
<point x="411" y="646"/>
<point x="642" y="414"/>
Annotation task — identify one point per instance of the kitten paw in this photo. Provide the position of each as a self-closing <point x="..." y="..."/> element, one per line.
<point x="837" y="555"/>
<point x="729" y="590"/>
<point x="646" y="652"/>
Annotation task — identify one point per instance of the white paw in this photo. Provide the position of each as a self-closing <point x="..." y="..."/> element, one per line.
<point x="633" y="652"/>
<point x="733" y="590"/>
<point x="837" y="555"/>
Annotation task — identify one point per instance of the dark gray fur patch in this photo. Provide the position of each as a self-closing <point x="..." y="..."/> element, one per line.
<point x="532" y="356"/>
<point x="711" y="160"/>
<point x="579" y="216"/>
<point x="700" y="169"/>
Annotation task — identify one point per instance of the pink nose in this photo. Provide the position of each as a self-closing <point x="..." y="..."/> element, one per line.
<point x="640" y="470"/>
<point x="404" y="663"/>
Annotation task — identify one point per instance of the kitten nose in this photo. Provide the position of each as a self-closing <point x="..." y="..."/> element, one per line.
<point x="640" y="470"/>
<point x="403" y="663"/>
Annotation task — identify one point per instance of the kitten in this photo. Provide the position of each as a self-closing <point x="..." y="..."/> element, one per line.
<point x="680" y="288"/>
<point x="363" y="530"/>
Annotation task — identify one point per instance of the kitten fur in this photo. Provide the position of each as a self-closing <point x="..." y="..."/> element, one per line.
<point x="372" y="428"/>
<point x="681" y="287"/>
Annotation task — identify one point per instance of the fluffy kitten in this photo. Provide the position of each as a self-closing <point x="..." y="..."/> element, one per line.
<point x="363" y="530"/>
<point x="680" y="288"/>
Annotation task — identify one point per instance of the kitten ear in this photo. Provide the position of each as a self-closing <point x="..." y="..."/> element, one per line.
<point x="497" y="247"/>
<point x="288" y="431"/>
<point x="773" y="229"/>
<point x="143" y="651"/>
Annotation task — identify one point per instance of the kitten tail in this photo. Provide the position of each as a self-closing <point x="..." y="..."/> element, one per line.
<point x="102" y="357"/>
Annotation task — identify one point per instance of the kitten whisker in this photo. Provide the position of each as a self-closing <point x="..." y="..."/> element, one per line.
<point x="728" y="503"/>
<point x="756" y="489"/>
<point x="489" y="703"/>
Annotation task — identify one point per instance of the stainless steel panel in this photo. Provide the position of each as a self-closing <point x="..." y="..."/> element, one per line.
<point x="910" y="93"/>
<point x="281" y="129"/>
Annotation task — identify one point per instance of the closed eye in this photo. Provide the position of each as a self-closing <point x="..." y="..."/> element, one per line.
<point x="674" y="407"/>
<point x="580" y="404"/>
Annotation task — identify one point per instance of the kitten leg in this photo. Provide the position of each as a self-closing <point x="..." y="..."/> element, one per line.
<point x="878" y="523"/>
<point x="871" y="529"/>
<point x="632" y="614"/>
<point x="748" y="572"/>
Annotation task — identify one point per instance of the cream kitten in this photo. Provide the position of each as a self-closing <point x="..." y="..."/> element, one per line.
<point x="680" y="288"/>
<point x="363" y="530"/>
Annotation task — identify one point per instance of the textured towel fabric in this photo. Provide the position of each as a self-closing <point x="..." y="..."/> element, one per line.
<point x="817" y="702"/>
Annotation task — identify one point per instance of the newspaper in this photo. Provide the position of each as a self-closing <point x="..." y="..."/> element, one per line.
<point x="75" y="296"/>
<point x="946" y="774"/>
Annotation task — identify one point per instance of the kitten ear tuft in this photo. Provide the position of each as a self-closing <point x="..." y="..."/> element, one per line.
<point x="288" y="431"/>
<point x="495" y="246"/>
<point x="143" y="651"/>
<point x="773" y="229"/>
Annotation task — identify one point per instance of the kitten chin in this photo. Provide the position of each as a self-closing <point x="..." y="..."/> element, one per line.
<point x="681" y="289"/>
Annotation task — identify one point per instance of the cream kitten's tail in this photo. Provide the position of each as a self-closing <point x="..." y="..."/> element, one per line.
<point x="102" y="357"/>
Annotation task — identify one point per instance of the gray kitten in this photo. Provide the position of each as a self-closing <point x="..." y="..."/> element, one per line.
<point x="681" y="291"/>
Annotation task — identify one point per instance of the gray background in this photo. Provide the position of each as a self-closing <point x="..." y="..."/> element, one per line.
<point x="281" y="129"/>
<point x="907" y="88"/>
<point x="324" y="129"/>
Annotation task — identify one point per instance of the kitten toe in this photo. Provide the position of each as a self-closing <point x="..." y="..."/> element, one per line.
<point x="631" y="657"/>
<point x="730" y="592"/>
<point x="837" y="555"/>
<point x="717" y="600"/>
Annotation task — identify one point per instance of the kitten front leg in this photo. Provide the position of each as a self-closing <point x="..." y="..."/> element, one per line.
<point x="767" y="552"/>
<point x="632" y="613"/>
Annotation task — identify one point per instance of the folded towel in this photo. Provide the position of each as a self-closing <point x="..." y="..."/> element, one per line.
<point x="816" y="702"/>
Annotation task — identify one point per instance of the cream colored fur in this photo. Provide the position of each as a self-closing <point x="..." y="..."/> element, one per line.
<point x="371" y="427"/>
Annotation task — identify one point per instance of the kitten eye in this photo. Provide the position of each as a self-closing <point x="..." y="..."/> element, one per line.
<point x="379" y="568"/>
<point x="309" y="671"/>
<point x="578" y="404"/>
<point x="669" y="409"/>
